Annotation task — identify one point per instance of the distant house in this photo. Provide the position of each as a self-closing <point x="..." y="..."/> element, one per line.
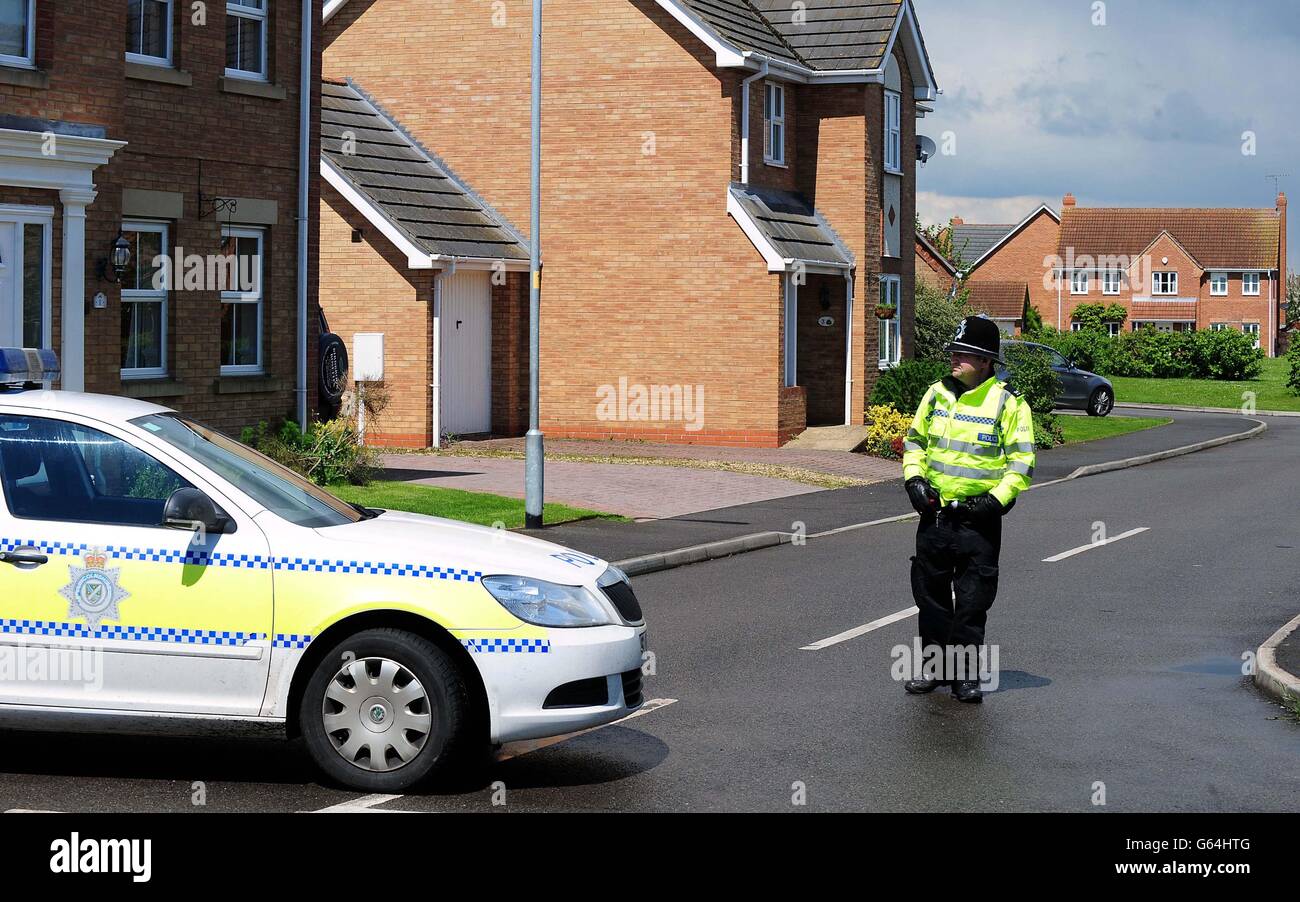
<point x="1002" y="302"/>
<point x="1176" y="269"/>
<point x="994" y="258"/>
<point x="727" y="191"/>
<point x="932" y="267"/>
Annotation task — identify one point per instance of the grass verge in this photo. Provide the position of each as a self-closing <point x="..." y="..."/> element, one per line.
<point x="1270" y="390"/>
<point x="1089" y="429"/>
<point x="456" y="504"/>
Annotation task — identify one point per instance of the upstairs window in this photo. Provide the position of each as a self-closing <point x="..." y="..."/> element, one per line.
<point x="1111" y="280"/>
<point x="1219" y="284"/>
<point x="246" y="38"/>
<point x="149" y="32"/>
<point x="1164" y="283"/>
<point x="774" y="118"/>
<point x="1079" y="282"/>
<point x="893" y="131"/>
<point x="17" y="33"/>
<point x="1250" y="283"/>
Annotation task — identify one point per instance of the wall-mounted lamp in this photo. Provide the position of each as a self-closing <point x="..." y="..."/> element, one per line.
<point x="113" y="267"/>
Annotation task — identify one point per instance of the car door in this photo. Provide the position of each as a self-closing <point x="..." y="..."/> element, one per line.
<point x="1073" y="384"/>
<point x="100" y="606"/>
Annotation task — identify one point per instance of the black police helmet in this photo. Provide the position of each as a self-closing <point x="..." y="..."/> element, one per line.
<point x="977" y="335"/>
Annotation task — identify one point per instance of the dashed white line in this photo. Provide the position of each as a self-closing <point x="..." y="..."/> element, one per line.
<point x="861" y="630"/>
<point x="1091" y="545"/>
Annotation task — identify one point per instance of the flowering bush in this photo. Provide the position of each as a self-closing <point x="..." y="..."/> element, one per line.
<point x="886" y="428"/>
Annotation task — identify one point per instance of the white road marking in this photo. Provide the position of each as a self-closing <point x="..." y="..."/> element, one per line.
<point x="31" y="811"/>
<point x="515" y="749"/>
<point x="1091" y="545"/>
<point x="363" y="804"/>
<point x="861" y="630"/>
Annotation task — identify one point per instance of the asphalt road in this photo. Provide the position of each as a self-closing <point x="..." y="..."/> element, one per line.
<point x="1119" y="666"/>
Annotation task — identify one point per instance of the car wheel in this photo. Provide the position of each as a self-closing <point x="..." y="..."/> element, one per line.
<point x="1101" y="403"/>
<point x="384" y="710"/>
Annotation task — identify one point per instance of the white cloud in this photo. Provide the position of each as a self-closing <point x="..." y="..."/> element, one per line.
<point x="938" y="209"/>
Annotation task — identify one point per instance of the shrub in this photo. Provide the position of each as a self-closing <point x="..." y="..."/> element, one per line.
<point x="1047" y="430"/>
<point x="937" y="316"/>
<point x="1031" y="373"/>
<point x="327" y="454"/>
<point x="1226" y="355"/>
<point x="1293" y="361"/>
<point x="886" y="428"/>
<point x="903" y="387"/>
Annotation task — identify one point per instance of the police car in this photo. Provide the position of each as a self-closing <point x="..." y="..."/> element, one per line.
<point x="154" y="574"/>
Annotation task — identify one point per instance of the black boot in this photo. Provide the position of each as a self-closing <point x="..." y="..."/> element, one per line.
<point x="921" y="687"/>
<point x="968" y="691"/>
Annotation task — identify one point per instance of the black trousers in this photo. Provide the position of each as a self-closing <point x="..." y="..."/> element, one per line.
<point x="952" y="553"/>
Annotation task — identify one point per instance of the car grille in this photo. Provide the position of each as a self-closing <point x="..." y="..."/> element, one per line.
<point x="580" y="694"/>
<point x="624" y="599"/>
<point x="632" y="688"/>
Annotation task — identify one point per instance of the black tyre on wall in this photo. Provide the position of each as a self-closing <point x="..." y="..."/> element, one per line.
<point x="384" y="710"/>
<point x="333" y="355"/>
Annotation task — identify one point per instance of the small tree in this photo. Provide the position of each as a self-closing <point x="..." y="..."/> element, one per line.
<point x="1293" y="363"/>
<point x="1032" y="319"/>
<point x="1293" y="298"/>
<point x="937" y="316"/>
<point x="1032" y="375"/>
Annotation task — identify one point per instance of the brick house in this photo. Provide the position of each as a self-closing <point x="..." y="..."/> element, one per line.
<point x="161" y="130"/>
<point x="1002" y="264"/>
<point x="1177" y="269"/>
<point x="932" y="267"/>
<point x="686" y="257"/>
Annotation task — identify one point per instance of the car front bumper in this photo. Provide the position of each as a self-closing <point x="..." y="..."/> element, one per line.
<point x="518" y="684"/>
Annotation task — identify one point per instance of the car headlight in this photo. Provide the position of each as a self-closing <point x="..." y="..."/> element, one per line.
<point x="541" y="603"/>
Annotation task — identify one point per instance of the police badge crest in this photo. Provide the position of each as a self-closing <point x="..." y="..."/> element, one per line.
<point x="93" y="591"/>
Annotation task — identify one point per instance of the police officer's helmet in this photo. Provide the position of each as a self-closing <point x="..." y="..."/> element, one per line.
<point x="977" y="335"/>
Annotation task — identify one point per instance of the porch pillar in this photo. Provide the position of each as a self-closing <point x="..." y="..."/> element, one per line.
<point x="72" y="354"/>
<point x="791" y="331"/>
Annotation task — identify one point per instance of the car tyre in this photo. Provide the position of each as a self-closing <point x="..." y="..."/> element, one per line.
<point x="1101" y="403"/>
<point x="395" y="676"/>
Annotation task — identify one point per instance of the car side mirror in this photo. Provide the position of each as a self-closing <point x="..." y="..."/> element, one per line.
<point x="188" y="508"/>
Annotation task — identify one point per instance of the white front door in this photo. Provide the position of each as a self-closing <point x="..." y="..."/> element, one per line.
<point x="10" y="285"/>
<point x="466" y="374"/>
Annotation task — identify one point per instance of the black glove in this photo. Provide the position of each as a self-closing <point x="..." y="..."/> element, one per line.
<point x="983" y="508"/>
<point x="923" y="496"/>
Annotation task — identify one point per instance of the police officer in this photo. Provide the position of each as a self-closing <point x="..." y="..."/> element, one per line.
<point x="967" y="455"/>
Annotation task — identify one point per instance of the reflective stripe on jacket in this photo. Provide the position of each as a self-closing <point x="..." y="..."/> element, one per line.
<point x="981" y="441"/>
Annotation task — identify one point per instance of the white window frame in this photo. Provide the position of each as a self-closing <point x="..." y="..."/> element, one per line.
<point x="164" y="61"/>
<point x="1219" y="327"/>
<point x="239" y="10"/>
<point x="1245" y="289"/>
<point x="22" y="215"/>
<point x="893" y="131"/>
<point x="1218" y="279"/>
<point x="1076" y="326"/>
<point x="28" y="59"/>
<point x="1111" y="281"/>
<point x="1159" y="278"/>
<point x="1074" y="281"/>
<point x="1251" y="329"/>
<point x="891" y="331"/>
<point x="1113" y="329"/>
<point x="149" y="296"/>
<point x="774" y="123"/>
<point x="257" y="296"/>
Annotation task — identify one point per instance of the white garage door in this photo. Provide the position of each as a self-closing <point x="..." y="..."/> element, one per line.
<point x="467" y="353"/>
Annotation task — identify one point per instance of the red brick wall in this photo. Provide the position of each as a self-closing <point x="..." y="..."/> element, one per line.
<point x="1021" y="259"/>
<point x="249" y="148"/>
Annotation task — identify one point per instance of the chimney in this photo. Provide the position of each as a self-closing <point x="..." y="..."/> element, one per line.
<point x="956" y="220"/>
<point x="1281" y="253"/>
<point x="1068" y="201"/>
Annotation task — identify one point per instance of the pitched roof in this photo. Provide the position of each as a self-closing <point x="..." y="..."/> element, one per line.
<point x="792" y="226"/>
<point x="935" y="260"/>
<point x="1217" y="237"/>
<point x="971" y="242"/>
<point x="826" y="35"/>
<point x="1000" y="300"/>
<point x="411" y="188"/>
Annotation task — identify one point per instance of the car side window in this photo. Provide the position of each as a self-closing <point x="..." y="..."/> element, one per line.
<point x="56" y="470"/>
<point x="1058" y="360"/>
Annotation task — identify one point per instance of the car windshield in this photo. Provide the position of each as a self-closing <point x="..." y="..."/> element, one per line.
<point x="277" y="488"/>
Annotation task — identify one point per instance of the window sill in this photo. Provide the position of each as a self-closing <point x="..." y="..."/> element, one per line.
<point x="153" y="387"/>
<point x="775" y="164"/>
<point x="162" y="74"/>
<point x="251" y="88"/>
<point x="11" y="74"/>
<point x="889" y="171"/>
<point x="252" y="384"/>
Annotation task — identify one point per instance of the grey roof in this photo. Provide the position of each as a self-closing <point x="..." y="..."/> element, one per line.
<point x="413" y="189"/>
<point x="792" y="225"/>
<point x="823" y="34"/>
<point x="971" y="242"/>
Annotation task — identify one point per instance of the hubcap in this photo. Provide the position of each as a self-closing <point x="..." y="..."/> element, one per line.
<point x="376" y="714"/>
<point x="1103" y="402"/>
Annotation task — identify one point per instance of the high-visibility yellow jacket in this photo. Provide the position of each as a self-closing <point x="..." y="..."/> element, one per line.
<point x="966" y="445"/>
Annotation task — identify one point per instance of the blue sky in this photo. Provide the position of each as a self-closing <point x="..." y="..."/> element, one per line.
<point x="1147" y="109"/>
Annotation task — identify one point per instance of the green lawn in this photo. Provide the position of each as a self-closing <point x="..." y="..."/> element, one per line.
<point x="1087" y="429"/>
<point x="1270" y="390"/>
<point x="456" y="504"/>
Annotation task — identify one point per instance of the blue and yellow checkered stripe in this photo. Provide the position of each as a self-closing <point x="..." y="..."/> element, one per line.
<point x="507" y="646"/>
<point x="170" y="634"/>
<point x="253" y="561"/>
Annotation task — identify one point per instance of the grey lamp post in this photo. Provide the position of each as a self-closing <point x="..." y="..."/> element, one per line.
<point x="534" y="465"/>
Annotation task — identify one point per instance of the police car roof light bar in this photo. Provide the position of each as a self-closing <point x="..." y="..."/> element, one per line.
<point x="28" y="365"/>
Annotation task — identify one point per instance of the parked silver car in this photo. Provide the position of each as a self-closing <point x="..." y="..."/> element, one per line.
<point x="1080" y="389"/>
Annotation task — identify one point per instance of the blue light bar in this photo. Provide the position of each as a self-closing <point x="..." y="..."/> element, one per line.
<point x="28" y="365"/>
